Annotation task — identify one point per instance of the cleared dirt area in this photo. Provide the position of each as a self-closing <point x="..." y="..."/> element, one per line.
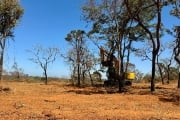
<point x="59" y="101"/>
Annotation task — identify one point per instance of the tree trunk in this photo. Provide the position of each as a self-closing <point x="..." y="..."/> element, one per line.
<point x="177" y="52"/>
<point x="160" y="72"/>
<point x="179" y="78"/>
<point x="122" y="77"/>
<point x="153" y="72"/>
<point x="160" y="67"/>
<point x="83" y="77"/>
<point x="1" y="63"/>
<point x="156" y="45"/>
<point x="2" y="44"/>
<point x="91" y="78"/>
<point x="45" y="75"/>
<point x="78" y="70"/>
<point x="168" y="75"/>
<point x="179" y="81"/>
<point x="74" y="76"/>
<point x="162" y="78"/>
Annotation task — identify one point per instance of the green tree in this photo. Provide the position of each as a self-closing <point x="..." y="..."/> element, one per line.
<point x="176" y="7"/>
<point x="76" y="39"/>
<point x="111" y="26"/>
<point x="10" y="13"/>
<point x="176" y="12"/>
<point x="153" y="28"/>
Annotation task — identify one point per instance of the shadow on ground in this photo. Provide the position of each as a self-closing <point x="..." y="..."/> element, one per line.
<point x="164" y="94"/>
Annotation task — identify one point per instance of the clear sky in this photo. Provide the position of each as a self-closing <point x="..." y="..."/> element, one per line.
<point x="47" y="22"/>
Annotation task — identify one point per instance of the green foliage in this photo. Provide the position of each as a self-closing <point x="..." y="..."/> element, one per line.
<point x="176" y="8"/>
<point x="145" y="9"/>
<point x="75" y="55"/>
<point x="74" y="35"/>
<point x="10" y="13"/>
<point x="119" y="22"/>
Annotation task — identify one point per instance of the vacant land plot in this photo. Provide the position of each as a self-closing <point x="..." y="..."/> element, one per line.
<point x="56" y="101"/>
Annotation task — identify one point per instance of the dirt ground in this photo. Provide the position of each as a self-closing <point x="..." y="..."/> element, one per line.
<point x="59" y="101"/>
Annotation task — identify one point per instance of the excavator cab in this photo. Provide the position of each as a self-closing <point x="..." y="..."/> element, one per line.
<point x="110" y="61"/>
<point x="129" y="74"/>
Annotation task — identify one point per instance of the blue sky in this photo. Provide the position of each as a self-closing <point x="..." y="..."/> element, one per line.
<point x="44" y="22"/>
<point x="47" y="22"/>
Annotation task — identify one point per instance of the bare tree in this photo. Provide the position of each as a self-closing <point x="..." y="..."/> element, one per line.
<point x="10" y="13"/>
<point x="139" y="75"/>
<point x="17" y="71"/>
<point x="43" y="57"/>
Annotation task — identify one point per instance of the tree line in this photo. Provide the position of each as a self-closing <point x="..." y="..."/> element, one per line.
<point x="116" y="25"/>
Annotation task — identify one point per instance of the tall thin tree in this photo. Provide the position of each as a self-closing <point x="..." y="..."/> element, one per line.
<point x="76" y="39"/>
<point x="10" y="13"/>
<point x="135" y="12"/>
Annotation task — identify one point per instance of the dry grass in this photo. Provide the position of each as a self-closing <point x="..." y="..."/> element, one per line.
<point x="58" y="101"/>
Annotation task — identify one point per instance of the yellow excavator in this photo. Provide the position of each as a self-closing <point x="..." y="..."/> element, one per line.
<point x="110" y="61"/>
